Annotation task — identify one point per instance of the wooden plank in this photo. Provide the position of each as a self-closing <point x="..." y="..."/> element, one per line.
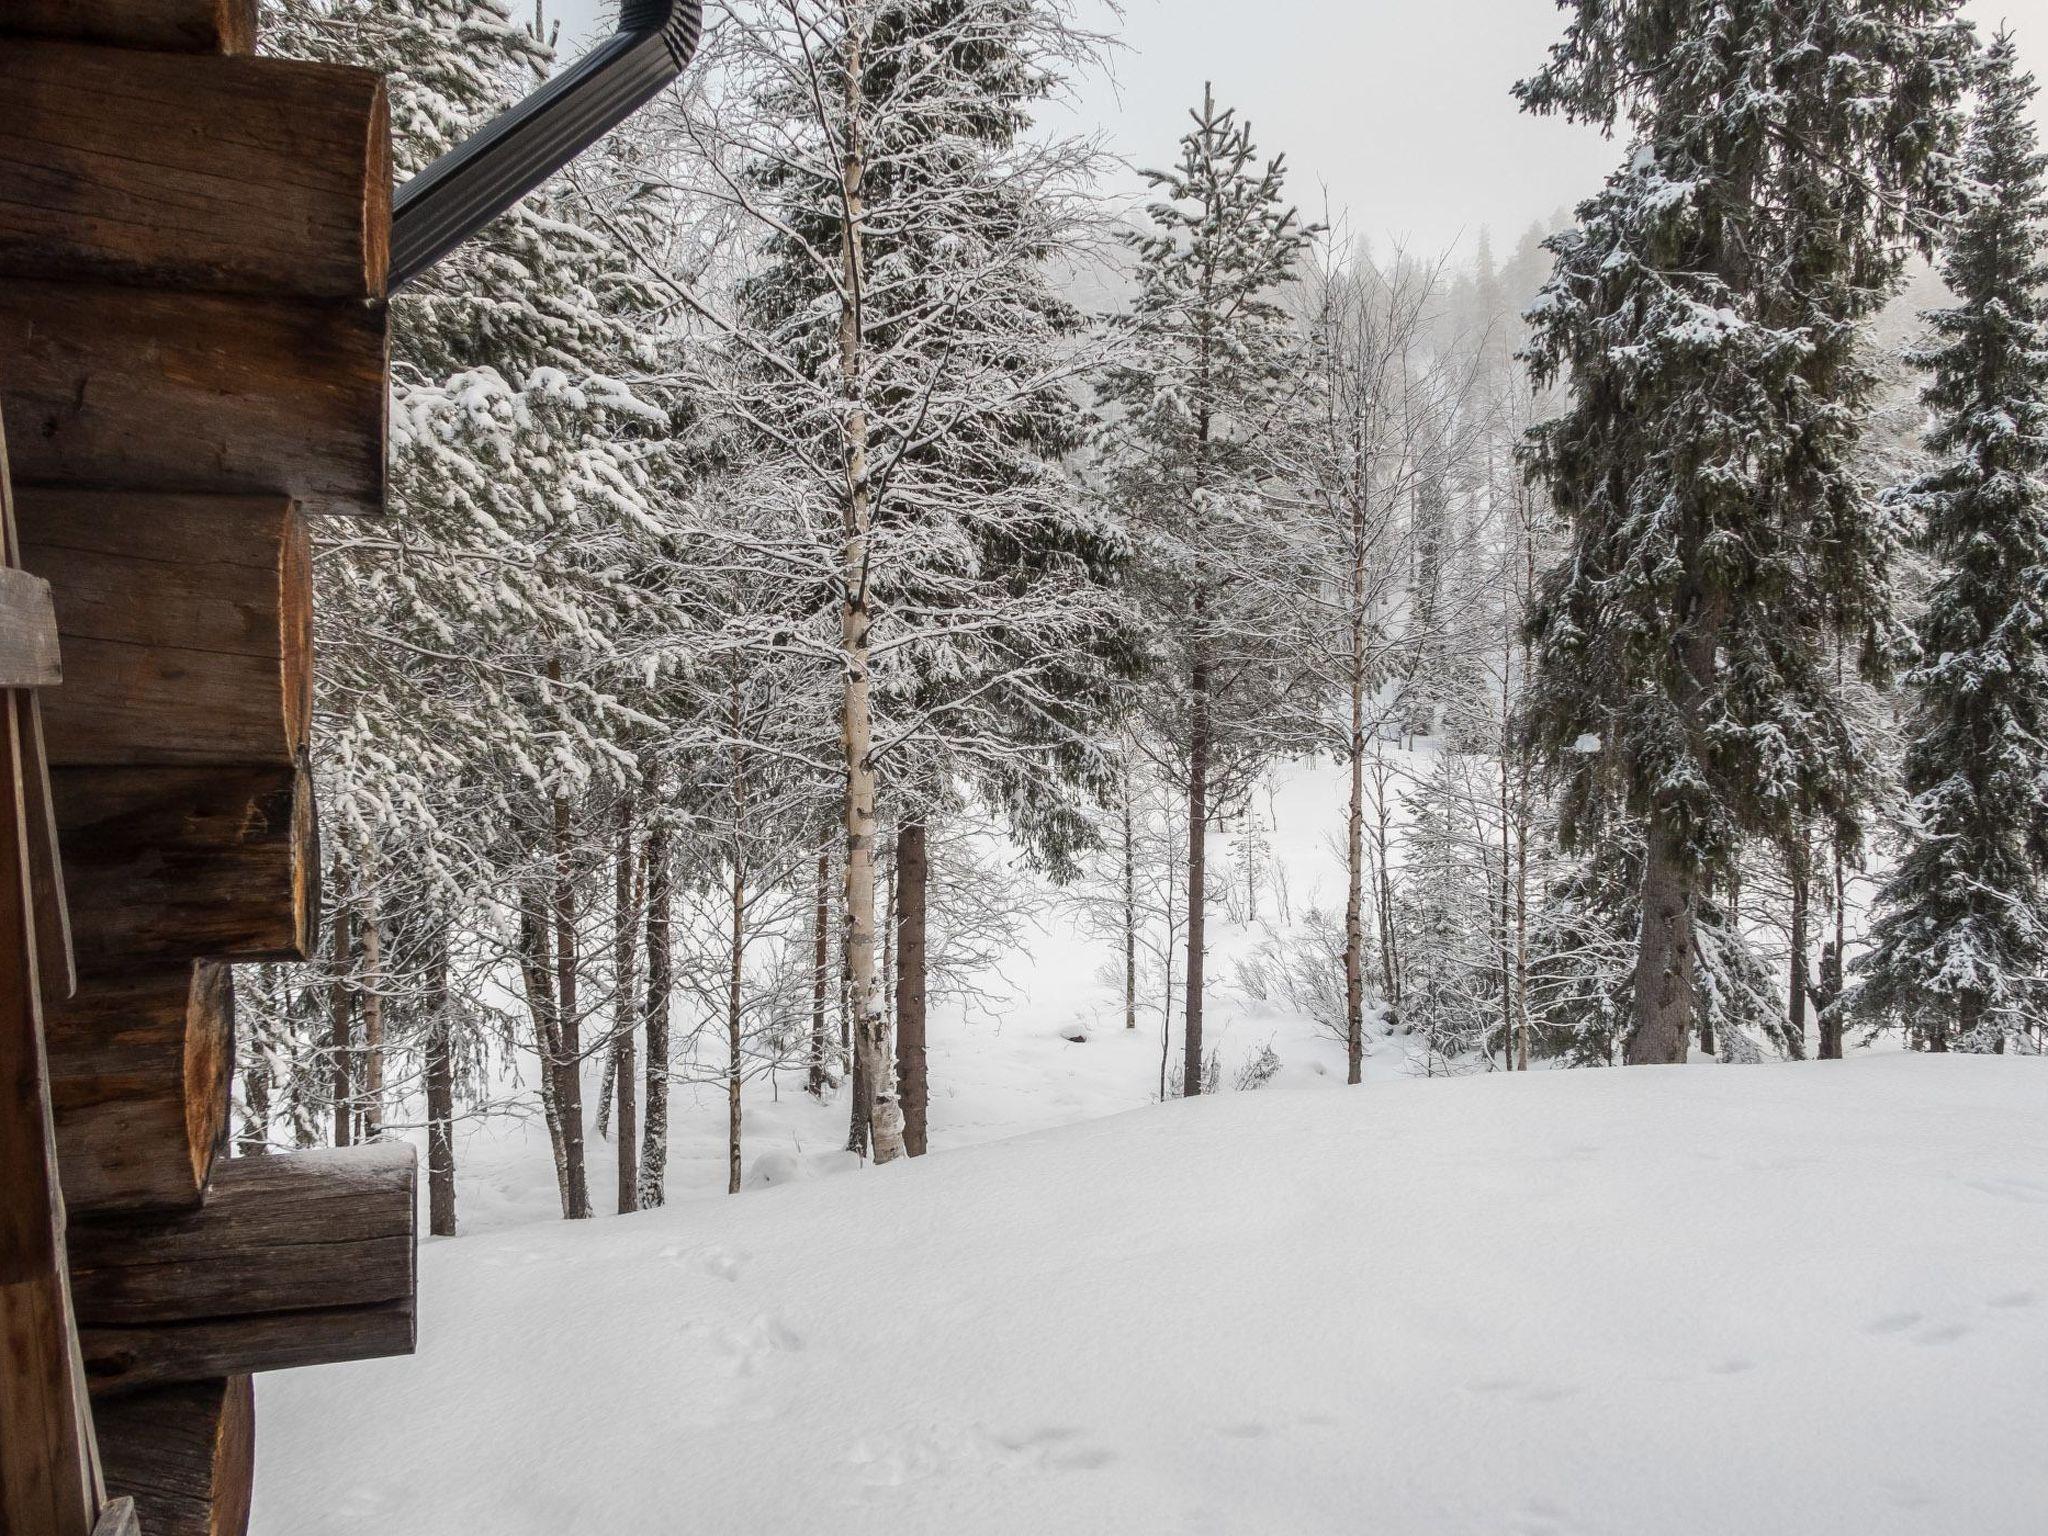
<point x="233" y="175"/>
<point x="163" y="864"/>
<point x="182" y="26"/>
<point x="139" y="1083"/>
<point x="48" y="1478"/>
<point x="188" y="621"/>
<point x="186" y="1455"/>
<point x="28" y="632"/>
<point x="130" y="389"/>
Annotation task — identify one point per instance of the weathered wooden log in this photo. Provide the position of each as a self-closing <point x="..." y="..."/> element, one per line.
<point x="186" y="1455"/>
<point x="163" y="864"/>
<point x="130" y="389"/>
<point x="224" y="175"/>
<point x="187" y="622"/>
<point x="139" y="1076"/>
<point x="119" y="1360"/>
<point x="184" y="26"/>
<point x="293" y="1260"/>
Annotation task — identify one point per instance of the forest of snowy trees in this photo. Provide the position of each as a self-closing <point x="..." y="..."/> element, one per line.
<point x="825" y="509"/>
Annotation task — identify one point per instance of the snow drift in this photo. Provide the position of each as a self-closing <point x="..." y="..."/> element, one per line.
<point x="1800" y="1299"/>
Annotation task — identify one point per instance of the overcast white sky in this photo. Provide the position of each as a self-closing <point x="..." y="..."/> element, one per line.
<point x="1399" y="108"/>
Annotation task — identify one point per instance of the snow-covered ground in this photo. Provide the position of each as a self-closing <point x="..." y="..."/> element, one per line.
<point x="1798" y="1299"/>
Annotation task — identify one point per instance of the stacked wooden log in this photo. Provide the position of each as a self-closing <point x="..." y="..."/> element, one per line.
<point x="193" y="358"/>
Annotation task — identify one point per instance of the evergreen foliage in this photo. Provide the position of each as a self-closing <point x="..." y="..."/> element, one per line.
<point x="1959" y="950"/>
<point x="1784" y="159"/>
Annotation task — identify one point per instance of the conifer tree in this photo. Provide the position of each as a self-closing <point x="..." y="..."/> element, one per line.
<point x="1195" y="413"/>
<point x="1785" y="157"/>
<point x="1959" y="952"/>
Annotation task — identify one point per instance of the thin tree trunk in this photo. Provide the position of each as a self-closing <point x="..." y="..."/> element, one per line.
<point x="883" y="1130"/>
<point x="1522" y="918"/>
<point x="1800" y="981"/>
<point x="1524" y="762"/>
<point x="1664" y="956"/>
<point x="1507" y="886"/>
<point x="913" y="874"/>
<point x="341" y="1011"/>
<point x="1130" y="862"/>
<point x="373" y="1026"/>
<point x="736" y="967"/>
<point x="440" y="1085"/>
<point x="569" y="1063"/>
<point x="537" y="968"/>
<point x="654" y="1135"/>
<point x="821" y="960"/>
<point x="1354" y="874"/>
<point x="735" y="1021"/>
<point x="254" y="1140"/>
<point x="625" y="1067"/>
<point x="889" y="884"/>
<point x="1198" y="863"/>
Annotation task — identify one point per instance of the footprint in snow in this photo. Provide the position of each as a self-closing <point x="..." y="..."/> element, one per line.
<point x="723" y="1263"/>
<point x="2014" y="1301"/>
<point x="1942" y="1333"/>
<point x="748" y="1346"/>
<point x="1735" y="1365"/>
<point x="1893" y="1322"/>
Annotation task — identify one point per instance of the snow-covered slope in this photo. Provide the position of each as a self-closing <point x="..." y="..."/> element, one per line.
<point x="1798" y="1299"/>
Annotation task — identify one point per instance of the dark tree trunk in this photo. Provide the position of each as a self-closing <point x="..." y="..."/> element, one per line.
<point x="1800" y="983"/>
<point x="625" y="1069"/>
<point x="537" y="970"/>
<point x="1198" y="865"/>
<point x="341" y="1005"/>
<point x="254" y="1140"/>
<point x="1664" y="960"/>
<point x="569" y="1064"/>
<point x="440" y="1086"/>
<point x="821" y="979"/>
<point x="1130" y="862"/>
<point x="1830" y="991"/>
<point x="735" y="1022"/>
<point x="857" y="1114"/>
<point x="913" y="872"/>
<point x="373" y="1025"/>
<point x="654" y="1135"/>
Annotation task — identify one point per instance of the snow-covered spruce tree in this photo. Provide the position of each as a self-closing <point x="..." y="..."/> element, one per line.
<point x="902" y="367"/>
<point x="470" y="673"/>
<point x="1194" y="413"/>
<point x="1785" y="156"/>
<point x="1584" y="937"/>
<point x="1959" y="950"/>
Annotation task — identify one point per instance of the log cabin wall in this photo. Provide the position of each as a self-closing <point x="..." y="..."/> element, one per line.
<point x="193" y="358"/>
